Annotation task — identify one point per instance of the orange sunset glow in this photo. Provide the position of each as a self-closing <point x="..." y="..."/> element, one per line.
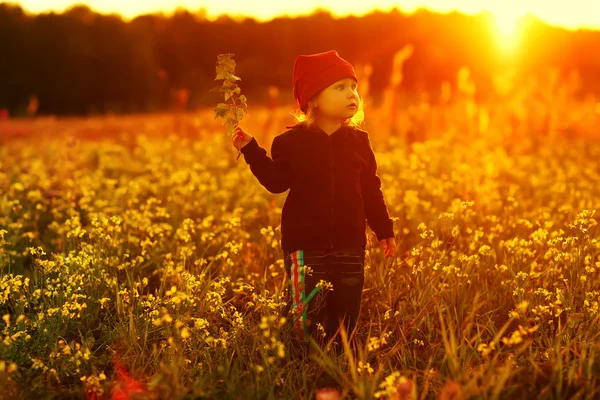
<point x="377" y="199"/>
<point x="572" y="14"/>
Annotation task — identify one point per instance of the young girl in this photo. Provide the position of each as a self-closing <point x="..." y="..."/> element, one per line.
<point x="329" y="167"/>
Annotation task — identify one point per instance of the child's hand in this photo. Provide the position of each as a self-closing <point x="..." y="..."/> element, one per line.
<point x="240" y="137"/>
<point x="389" y="244"/>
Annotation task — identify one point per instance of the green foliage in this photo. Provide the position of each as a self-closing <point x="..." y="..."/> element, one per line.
<point x="235" y="107"/>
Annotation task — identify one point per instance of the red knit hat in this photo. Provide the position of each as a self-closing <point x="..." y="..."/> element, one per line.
<point x="315" y="72"/>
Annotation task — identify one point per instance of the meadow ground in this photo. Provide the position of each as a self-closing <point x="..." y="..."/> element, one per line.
<point x="137" y="259"/>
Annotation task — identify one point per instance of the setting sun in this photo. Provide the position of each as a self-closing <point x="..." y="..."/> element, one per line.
<point x="506" y="21"/>
<point x="506" y="29"/>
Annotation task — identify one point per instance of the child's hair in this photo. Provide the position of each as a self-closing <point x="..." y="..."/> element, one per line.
<point x="308" y="119"/>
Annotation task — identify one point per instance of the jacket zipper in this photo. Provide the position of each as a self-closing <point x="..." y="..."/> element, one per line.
<point x="332" y="191"/>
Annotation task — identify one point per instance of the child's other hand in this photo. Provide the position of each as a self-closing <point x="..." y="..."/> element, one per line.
<point x="240" y="137"/>
<point x="389" y="244"/>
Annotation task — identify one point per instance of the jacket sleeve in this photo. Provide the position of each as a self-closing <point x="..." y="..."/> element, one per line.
<point x="274" y="174"/>
<point x="375" y="206"/>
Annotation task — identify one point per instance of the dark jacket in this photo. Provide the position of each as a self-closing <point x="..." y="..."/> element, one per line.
<point x="334" y="187"/>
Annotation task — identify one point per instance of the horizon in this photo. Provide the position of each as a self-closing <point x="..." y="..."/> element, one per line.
<point x="507" y="14"/>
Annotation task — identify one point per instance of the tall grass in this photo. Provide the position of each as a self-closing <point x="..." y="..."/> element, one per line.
<point x="143" y="261"/>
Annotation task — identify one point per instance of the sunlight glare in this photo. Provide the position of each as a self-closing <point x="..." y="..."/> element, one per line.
<point x="506" y="28"/>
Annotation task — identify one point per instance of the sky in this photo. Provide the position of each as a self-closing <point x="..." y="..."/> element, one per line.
<point x="570" y="14"/>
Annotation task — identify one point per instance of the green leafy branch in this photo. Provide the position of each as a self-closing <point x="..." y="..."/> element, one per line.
<point x="233" y="109"/>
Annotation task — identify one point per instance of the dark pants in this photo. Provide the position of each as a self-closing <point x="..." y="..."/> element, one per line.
<point x="309" y="304"/>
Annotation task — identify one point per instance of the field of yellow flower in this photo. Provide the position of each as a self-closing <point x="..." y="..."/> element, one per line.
<point x="134" y="257"/>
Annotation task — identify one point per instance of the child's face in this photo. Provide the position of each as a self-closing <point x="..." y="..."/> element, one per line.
<point x="333" y="101"/>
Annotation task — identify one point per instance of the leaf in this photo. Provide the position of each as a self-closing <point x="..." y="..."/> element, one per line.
<point x="242" y="100"/>
<point x="224" y="68"/>
<point x="239" y="113"/>
<point x="221" y="72"/>
<point x="230" y="93"/>
<point x="221" y="110"/>
<point x="220" y="89"/>
<point x="228" y="64"/>
<point x="232" y="77"/>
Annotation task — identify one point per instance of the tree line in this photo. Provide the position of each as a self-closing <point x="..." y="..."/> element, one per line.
<point x="81" y="62"/>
